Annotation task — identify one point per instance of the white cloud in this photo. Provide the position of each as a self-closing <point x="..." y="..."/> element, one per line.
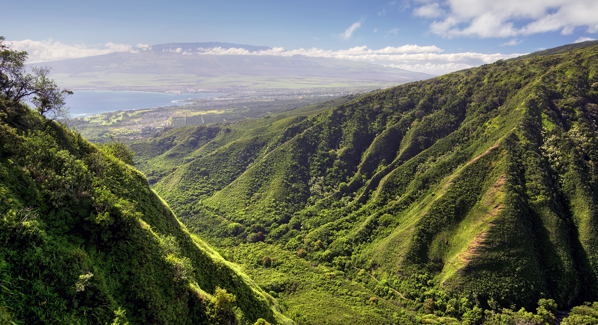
<point x="432" y="68"/>
<point x="315" y="38"/>
<point x="393" y="31"/>
<point x="375" y="30"/>
<point x="347" y="34"/>
<point x="567" y="30"/>
<point x="429" y="59"/>
<point x="49" y="50"/>
<point x="315" y="52"/>
<point x="431" y="10"/>
<point x="512" y="42"/>
<point x="144" y="46"/>
<point x="509" y="18"/>
<point x="584" y="39"/>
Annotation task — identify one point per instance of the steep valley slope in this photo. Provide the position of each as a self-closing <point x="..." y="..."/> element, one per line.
<point x="476" y="188"/>
<point x="84" y="240"/>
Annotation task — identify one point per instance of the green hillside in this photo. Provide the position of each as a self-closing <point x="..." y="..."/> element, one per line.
<point x="84" y="240"/>
<point x="472" y="191"/>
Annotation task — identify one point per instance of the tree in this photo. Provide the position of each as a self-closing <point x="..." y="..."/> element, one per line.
<point x="261" y="321"/>
<point x="14" y="82"/>
<point x="47" y="96"/>
<point x="221" y="308"/>
<point x="17" y="85"/>
<point x="118" y="149"/>
<point x="267" y="261"/>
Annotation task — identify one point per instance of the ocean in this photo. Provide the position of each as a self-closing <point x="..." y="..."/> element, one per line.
<point x="91" y="102"/>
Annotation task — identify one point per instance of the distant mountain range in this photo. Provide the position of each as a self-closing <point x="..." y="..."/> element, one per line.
<point x="173" y="47"/>
<point x="178" y="66"/>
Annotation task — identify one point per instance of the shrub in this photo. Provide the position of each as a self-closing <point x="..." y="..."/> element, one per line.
<point x="221" y="308"/>
<point x="258" y="228"/>
<point x="385" y="220"/>
<point x="254" y="238"/>
<point x="318" y="245"/>
<point x="234" y="228"/>
<point x="119" y="150"/>
<point x="266" y="261"/>
<point x="583" y="315"/>
<point x="192" y="141"/>
<point x="342" y="186"/>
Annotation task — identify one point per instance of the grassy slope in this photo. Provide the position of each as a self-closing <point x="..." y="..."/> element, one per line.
<point x="84" y="238"/>
<point x="483" y="179"/>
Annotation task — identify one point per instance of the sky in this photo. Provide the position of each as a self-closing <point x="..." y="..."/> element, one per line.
<point x="420" y="35"/>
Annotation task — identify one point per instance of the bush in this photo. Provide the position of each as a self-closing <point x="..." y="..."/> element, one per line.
<point x="119" y="150"/>
<point x="586" y="314"/>
<point x="254" y="238"/>
<point x="343" y="186"/>
<point x="385" y="220"/>
<point x="234" y="228"/>
<point x="221" y="308"/>
<point x="318" y="245"/>
<point x="266" y="261"/>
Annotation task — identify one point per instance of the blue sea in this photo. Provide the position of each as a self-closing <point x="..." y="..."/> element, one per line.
<point x="91" y="102"/>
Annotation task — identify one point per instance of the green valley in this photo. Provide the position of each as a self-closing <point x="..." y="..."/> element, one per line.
<point x="469" y="198"/>
<point x="458" y="199"/>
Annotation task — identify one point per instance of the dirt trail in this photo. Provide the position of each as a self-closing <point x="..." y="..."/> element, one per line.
<point x="483" y="154"/>
<point x="473" y="247"/>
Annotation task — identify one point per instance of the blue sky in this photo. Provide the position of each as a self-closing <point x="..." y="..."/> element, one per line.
<point x="447" y="35"/>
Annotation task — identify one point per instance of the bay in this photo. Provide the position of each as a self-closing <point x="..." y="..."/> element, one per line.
<point x="92" y="102"/>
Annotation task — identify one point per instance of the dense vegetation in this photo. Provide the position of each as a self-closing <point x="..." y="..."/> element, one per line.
<point x="84" y="240"/>
<point x="463" y="198"/>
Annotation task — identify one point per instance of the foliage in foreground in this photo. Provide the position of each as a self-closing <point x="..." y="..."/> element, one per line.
<point x="84" y="240"/>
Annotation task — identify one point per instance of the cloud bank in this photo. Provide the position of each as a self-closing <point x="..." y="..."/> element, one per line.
<point x="584" y="39"/>
<point x="49" y="50"/>
<point x="428" y="59"/>
<point x="508" y="18"/>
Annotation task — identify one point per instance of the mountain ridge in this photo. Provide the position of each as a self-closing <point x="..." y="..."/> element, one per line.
<point x="191" y="46"/>
<point x="158" y="70"/>
<point x="481" y="180"/>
